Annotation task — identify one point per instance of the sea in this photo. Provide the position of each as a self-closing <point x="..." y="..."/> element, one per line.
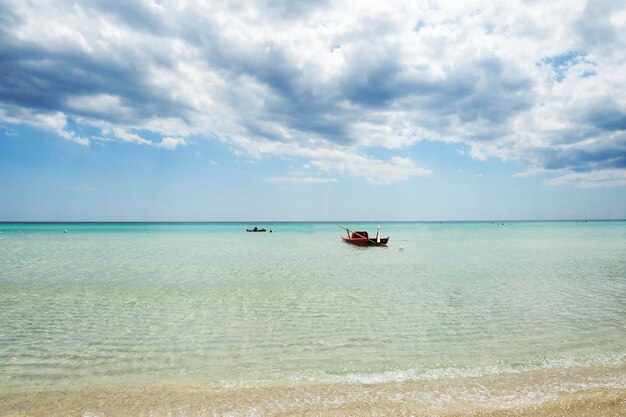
<point x="203" y="319"/>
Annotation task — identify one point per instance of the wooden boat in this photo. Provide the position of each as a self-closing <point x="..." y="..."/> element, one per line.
<point x="361" y="238"/>
<point x="256" y="229"/>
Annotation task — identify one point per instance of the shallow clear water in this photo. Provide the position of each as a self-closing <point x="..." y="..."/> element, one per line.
<point x="209" y="304"/>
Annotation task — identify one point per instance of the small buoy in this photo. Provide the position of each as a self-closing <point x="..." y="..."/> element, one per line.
<point x="401" y="249"/>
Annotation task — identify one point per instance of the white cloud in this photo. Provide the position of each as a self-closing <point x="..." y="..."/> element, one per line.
<point x="84" y="189"/>
<point x="592" y="179"/>
<point x="53" y="121"/>
<point x="329" y="158"/>
<point x="539" y="82"/>
<point x="126" y="136"/>
<point x="117" y="133"/>
<point x="172" y="143"/>
<point x="373" y="170"/>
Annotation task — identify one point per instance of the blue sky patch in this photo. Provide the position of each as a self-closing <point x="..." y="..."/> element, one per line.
<point x="562" y="63"/>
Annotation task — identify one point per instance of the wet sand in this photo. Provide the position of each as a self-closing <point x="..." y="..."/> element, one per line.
<point x="570" y="392"/>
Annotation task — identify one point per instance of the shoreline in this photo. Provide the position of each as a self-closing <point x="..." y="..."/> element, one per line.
<point x="597" y="391"/>
<point x="194" y="401"/>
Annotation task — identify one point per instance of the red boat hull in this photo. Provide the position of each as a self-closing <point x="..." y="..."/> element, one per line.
<point x="364" y="240"/>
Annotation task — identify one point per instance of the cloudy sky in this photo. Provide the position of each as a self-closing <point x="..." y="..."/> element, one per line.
<point x="312" y="110"/>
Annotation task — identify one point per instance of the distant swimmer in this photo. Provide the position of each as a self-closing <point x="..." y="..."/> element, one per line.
<point x="65" y="231"/>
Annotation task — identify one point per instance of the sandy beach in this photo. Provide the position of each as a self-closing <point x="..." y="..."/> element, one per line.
<point x="573" y="392"/>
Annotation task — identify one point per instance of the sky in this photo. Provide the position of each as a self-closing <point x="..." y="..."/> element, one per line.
<point x="274" y="110"/>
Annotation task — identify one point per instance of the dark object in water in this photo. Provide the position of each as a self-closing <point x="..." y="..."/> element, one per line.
<point x="256" y="229"/>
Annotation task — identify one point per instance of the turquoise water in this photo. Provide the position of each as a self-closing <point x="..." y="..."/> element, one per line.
<point x="128" y="304"/>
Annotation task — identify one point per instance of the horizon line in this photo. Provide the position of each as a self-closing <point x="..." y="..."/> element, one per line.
<point x="297" y="221"/>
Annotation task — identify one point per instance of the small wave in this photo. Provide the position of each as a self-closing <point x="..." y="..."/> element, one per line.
<point x="429" y="374"/>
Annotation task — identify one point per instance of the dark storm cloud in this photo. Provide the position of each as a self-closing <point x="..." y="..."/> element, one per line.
<point x="486" y="90"/>
<point x="608" y="119"/>
<point x="595" y="27"/>
<point x="37" y="78"/>
<point x="132" y="13"/>
<point x="293" y="8"/>
<point x="584" y="160"/>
